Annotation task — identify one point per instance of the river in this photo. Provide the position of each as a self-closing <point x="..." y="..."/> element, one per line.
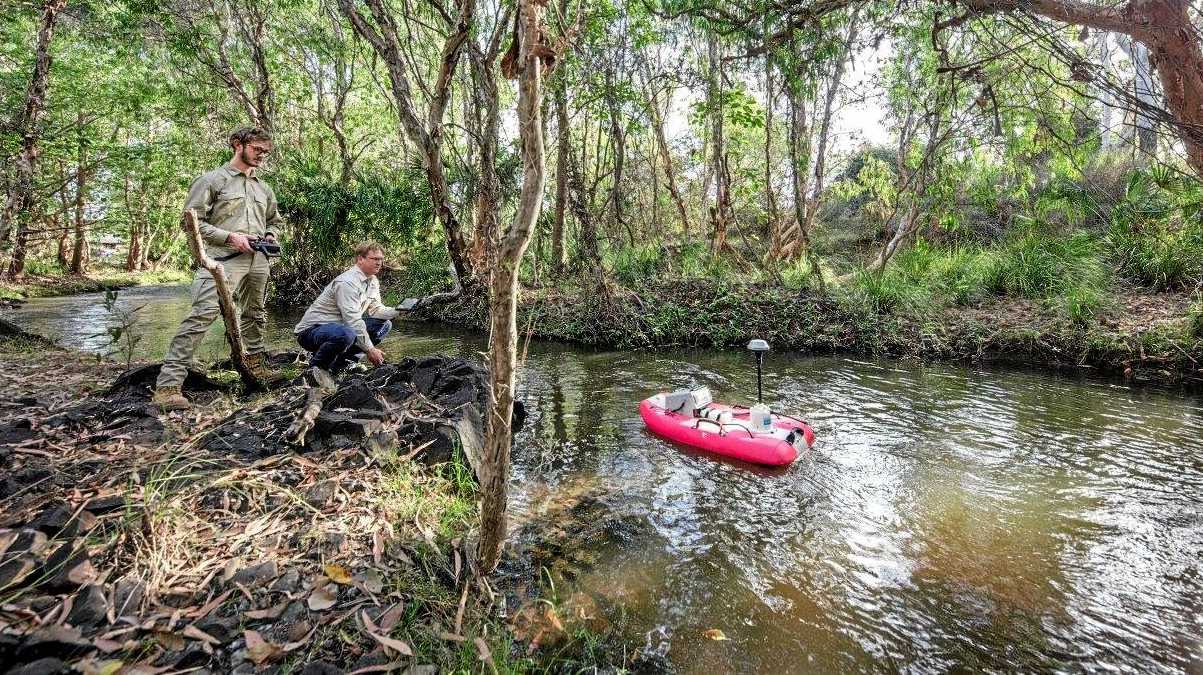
<point x="948" y="518"/>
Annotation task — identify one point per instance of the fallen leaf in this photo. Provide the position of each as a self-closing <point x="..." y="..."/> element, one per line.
<point x="482" y="649"/>
<point x="170" y="641"/>
<point x="373" y="581"/>
<point x="391" y="617"/>
<point x="198" y="634"/>
<point x="260" y="651"/>
<point x="338" y="574"/>
<point x="382" y="668"/>
<point x="714" y="634"/>
<point x="321" y="599"/>
<point x="210" y="606"/>
<point x="451" y="637"/>
<point x="107" y="646"/>
<point x="378" y="547"/>
<point x="82" y="573"/>
<point x="272" y="612"/>
<point x="398" y="646"/>
<point x="230" y="569"/>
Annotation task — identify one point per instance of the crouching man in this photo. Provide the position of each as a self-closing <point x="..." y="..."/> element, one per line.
<point x="348" y="318"/>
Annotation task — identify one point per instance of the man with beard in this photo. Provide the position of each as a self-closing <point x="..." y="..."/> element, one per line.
<point x="234" y="208"/>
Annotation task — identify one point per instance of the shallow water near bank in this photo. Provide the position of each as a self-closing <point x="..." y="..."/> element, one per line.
<point x="948" y="518"/>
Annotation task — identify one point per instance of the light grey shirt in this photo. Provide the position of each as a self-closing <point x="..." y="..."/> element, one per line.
<point x="346" y="300"/>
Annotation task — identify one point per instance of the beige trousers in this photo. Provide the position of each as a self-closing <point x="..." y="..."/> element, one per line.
<point x="247" y="275"/>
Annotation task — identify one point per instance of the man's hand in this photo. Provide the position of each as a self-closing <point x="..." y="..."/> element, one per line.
<point x="239" y="241"/>
<point x="270" y="237"/>
<point x="375" y="356"/>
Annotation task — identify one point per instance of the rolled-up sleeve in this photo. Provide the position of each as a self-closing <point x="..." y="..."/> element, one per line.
<point x="350" y="306"/>
<point x="200" y="200"/>
<point x="376" y="308"/>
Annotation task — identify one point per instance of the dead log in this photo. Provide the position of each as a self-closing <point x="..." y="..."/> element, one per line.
<point x="225" y="299"/>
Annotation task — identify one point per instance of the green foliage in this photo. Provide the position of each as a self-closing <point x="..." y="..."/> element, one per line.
<point x="633" y="265"/>
<point x="1156" y="233"/>
<point x="1037" y="265"/>
<point x="329" y="218"/>
<point x="1195" y="319"/>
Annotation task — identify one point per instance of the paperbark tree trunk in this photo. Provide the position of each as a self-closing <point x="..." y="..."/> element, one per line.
<point x="563" y="138"/>
<point x="427" y="137"/>
<point x="22" y="202"/>
<point x="503" y="336"/>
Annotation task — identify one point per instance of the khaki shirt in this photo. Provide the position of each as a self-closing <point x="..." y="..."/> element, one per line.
<point x="226" y="201"/>
<point x="346" y="300"/>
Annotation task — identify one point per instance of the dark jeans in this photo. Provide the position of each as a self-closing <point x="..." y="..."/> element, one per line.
<point x="333" y="344"/>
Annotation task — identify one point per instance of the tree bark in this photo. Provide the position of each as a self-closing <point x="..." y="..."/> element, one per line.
<point x="1165" y="27"/>
<point x="503" y="337"/>
<point x="426" y="136"/>
<point x="721" y="208"/>
<point x="22" y="202"/>
<point x="80" y="252"/>
<point x="670" y="171"/>
<point x="563" y="138"/>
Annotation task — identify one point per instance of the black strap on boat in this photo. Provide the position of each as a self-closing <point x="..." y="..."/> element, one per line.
<point x="703" y="419"/>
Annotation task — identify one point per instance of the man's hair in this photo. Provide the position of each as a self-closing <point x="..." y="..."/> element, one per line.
<point x="365" y="247"/>
<point x="246" y="135"/>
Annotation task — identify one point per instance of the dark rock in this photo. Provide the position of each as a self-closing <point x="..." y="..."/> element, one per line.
<point x="372" y="658"/>
<point x="102" y="505"/>
<point x="421" y="669"/>
<point x="321" y="668"/>
<point x="43" y="603"/>
<point x="192" y="656"/>
<point x="144" y="378"/>
<point x="256" y="575"/>
<point x="8" y="647"/>
<point x="64" y="568"/>
<point x="127" y="596"/>
<point x="89" y="607"/>
<point x="223" y="628"/>
<point x="355" y="395"/>
<point x="294" y="612"/>
<point x="57" y="641"/>
<point x="46" y="666"/>
<point x="53" y="518"/>
<point x="288" y="582"/>
<point x="321" y="492"/>
<point x="16" y="571"/>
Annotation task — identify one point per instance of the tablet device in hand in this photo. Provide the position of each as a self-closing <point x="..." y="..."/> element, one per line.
<point x="407" y="304"/>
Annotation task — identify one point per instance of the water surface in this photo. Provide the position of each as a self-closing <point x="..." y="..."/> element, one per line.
<point x="949" y="518"/>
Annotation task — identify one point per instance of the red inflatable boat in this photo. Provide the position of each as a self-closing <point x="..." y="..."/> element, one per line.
<point x="726" y="430"/>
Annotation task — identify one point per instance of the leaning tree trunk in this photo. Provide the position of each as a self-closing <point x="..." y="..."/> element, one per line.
<point x="562" y="160"/>
<point x="22" y="202"/>
<point x="503" y="303"/>
<point x="225" y="300"/>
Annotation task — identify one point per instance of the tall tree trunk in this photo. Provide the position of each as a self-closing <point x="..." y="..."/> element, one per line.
<point x="79" y="255"/>
<point x="563" y="138"/>
<point x="619" y="141"/>
<point x="816" y="189"/>
<point x="670" y="171"/>
<point x="770" y="199"/>
<point x="427" y="137"/>
<point x="488" y="196"/>
<point x="795" y="240"/>
<point x="22" y="202"/>
<point x="1142" y="89"/>
<point x="714" y="93"/>
<point x="503" y="336"/>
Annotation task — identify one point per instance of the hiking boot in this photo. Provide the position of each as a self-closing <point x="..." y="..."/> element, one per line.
<point x="258" y="367"/>
<point x="170" y="398"/>
<point x="320" y="378"/>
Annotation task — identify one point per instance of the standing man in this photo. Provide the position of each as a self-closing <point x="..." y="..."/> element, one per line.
<point x="233" y="208"/>
<point x="348" y="318"/>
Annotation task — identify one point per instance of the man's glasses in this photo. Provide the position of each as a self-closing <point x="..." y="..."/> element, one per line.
<point x="373" y="258"/>
<point x="260" y="149"/>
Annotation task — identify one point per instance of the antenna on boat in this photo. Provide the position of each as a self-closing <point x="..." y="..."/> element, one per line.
<point x="758" y="347"/>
